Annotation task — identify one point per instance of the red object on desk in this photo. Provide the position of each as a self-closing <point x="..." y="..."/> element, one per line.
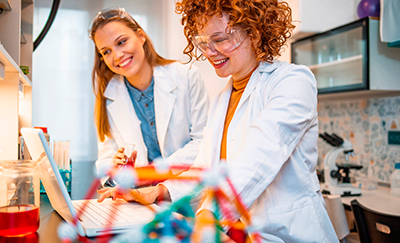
<point x="44" y="129"/>
<point x="19" y="220"/>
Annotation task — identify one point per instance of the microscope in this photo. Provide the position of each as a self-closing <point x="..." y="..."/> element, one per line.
<point x="337" y="180"/>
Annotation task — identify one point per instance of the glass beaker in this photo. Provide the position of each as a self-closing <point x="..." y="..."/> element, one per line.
<point x="19" y="197"/>
<point x="129" y="157"/>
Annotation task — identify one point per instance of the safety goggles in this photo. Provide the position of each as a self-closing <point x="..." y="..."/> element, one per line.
<point x="220" y="41"/>
<point x="109" y="13"/>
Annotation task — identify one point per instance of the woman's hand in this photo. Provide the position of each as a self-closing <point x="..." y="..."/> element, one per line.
<point x="114" y="193"/>
<point x="146" y="195"/>
<point x="120" y="158"/>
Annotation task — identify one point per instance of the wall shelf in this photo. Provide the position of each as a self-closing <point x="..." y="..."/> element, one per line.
<point x="5" y="5"/>
<point x="336" y="62"/>
<point x="11" y="66"/>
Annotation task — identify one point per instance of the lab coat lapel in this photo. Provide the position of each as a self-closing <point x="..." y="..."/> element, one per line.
<point x="122" y="112"/>
<point x="164" y="100"/>
<point x="254" y="80"/>
<point x="251" y="85"/>
<point x="218" y="119"/>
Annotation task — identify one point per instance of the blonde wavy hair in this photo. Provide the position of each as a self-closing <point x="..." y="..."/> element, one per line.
<point x="267" y="22"/>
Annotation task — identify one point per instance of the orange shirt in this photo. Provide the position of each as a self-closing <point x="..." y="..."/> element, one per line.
<point x="237" y="91"/>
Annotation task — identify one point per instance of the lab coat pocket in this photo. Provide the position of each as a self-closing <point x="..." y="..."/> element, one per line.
<point x="296" y="222"/>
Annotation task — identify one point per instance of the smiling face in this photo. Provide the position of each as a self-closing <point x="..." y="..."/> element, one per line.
<point x="122" y="50"/>
<point x="238" y="62"/>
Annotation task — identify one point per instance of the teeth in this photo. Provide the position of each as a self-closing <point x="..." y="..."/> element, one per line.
<point x="221" y="61"/>
<point x="124" y="63"/>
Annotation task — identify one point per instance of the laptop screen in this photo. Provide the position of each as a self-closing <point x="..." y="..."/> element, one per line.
<point x="50" y="175"/>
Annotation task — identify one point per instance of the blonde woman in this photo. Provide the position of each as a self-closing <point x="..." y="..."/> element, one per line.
<point x="159" y="105"/>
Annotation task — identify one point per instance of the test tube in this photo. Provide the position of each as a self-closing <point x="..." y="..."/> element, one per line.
<point x="66" y="155"/>
<point x="55" y="153"/>
<point x="60" y="154"/>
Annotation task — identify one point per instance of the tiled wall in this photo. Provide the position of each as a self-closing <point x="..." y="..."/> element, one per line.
<point x="365" y="123"/>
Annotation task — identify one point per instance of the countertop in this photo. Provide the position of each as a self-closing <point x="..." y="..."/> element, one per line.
<point x="378" y="200"/>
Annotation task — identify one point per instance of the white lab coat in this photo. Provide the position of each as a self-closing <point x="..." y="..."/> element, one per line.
<point x="272" y="153"/>
<point x="181" y="106"/>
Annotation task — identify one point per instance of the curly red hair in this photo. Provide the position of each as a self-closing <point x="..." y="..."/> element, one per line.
<point x="267" y="22"/>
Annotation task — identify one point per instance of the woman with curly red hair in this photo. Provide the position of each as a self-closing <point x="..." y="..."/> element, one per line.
<point x="264" y="123"/>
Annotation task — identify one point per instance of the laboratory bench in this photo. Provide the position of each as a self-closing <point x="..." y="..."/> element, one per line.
<point x="49" y="221"/>
<point x="379" y="200"/>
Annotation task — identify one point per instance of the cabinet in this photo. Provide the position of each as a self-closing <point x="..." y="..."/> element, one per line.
<point x="350" y="60"/>
<point x="314" y="16"/>
<point x="16" y="48"/>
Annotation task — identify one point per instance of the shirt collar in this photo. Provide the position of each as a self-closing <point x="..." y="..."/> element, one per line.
<point x="241" y="83"/>
<point x="137" y="94"/>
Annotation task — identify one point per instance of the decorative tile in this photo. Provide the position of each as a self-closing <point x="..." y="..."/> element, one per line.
<point x="365" y="123"/>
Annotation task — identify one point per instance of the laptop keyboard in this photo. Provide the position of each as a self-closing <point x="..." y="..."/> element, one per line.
<point x="106" y="213"/>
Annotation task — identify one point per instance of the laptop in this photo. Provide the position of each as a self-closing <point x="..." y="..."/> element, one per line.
<point x="111" y="217"/>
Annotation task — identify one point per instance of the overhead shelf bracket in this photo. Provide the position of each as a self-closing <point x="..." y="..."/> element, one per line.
<point x="4" y="6"/>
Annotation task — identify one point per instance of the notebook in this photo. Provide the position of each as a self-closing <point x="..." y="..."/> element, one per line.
<point x="98" y="218"/>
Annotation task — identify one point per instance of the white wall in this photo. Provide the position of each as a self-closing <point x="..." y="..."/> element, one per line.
<point x="62" y="96"/>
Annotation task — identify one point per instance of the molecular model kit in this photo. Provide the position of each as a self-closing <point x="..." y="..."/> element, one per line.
<point x="174" y="222"/>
